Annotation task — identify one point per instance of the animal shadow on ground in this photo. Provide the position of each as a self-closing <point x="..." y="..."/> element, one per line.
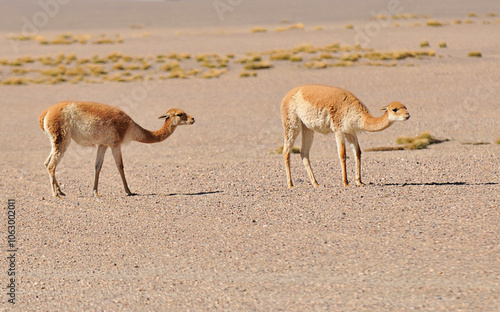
<point x="438" y="183"/>
<point x="194" y="194"/>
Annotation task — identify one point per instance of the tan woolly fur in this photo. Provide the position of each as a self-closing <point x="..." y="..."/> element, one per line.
<point x="101" y="125"/>
<point x="325" y="109"/>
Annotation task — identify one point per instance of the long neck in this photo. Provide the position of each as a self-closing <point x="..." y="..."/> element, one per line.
<point x="374" y="124"/>
<point x="146" y="136"/>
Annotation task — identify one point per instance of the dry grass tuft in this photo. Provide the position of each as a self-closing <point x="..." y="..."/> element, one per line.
<point x="497" y="141"/>
<point x="433" y="23"/>
<point x="384" y="149"/>
<point x="409" y="143"/>
<point x="349" y="26"/>
<point x="344" y="64"/>
<point x="351" y="57"/>
<point x="296" y="58"/>
<point x="258" y="65"/>
<point x="258" y="29"/>
<point x="298" y="26"/>
<point x="279" y="150"/>
<point x="15" y="81"/>
<point x="246" y="74"/>
<point x="316" y="65"/>
<point x="335" y="47"/>
<point x="474" y="54"/>
<point x="280" y="55"/>
<point x="442" y="44"/>
<point x="419" y="142"/>
<point x="178" y="73"/>
<point x="305" y="47"/>
<point x="424" y="44"/>
<point x="214" y="73"/>
<point x="170" y="66"/>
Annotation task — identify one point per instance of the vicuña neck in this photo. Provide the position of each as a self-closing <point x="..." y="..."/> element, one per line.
<point x="146" y="136"/>
<point x="374" y="124"/>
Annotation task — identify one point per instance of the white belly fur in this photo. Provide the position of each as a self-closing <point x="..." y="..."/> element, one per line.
<point x="314" y="119"/>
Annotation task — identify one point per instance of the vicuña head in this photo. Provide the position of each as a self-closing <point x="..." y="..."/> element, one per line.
<point x="396" y="111"/>
<point x="94" y="124"/>
<point x="324" y="109"/>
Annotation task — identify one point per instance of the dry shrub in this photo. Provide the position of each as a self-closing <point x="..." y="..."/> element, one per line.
<point x="418" y="142"/>
<point x="246" y="74"/>
<point x="317" y="65"/>
<point x="298" y="26"/>
<point x="433" y="23"/>
<point x="258" y="65"/>
<point x="279" y="150"/>
<point x="474" y="54"/>
<point x="258" y="29"/>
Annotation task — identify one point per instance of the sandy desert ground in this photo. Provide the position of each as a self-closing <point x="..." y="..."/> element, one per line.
<point x="214" y="227"/>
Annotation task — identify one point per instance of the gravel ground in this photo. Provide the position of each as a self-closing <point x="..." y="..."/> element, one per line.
<point x="215" y="228"/>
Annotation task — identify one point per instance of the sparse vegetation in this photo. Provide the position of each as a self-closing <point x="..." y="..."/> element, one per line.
<point x="280" y="55"/>
<point x="474" y="54"/>
<point x="316" y="65"/>
<point x="258" y="29"/>
<point x="409" y="143"/>
<point x="296" y="58"/>
<point x="497" y="141"/>
<point x="419" y="142"/>
<point x="433" y="23"/>
<point x="298" y="26"/>
<point x="245" y="74"/>
<point x="117" y="67"/>
<point x="442" y="44"/>
<point x="424" y="44"/>
<point x="258" y="65"/>
<point x="279" y="150"/>
<point x="214" y="73"/>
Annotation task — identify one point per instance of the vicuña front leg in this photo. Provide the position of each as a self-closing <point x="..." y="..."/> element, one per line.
<point x="117" y="154"/>
<point x="353" y="140"/>
<point x="342" y="156"/>
<point x="101" y="151"/>
<point x="307" y="140"/>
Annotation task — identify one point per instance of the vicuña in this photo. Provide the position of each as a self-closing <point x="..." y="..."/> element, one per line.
<point x="325" y="109"/>
<point x="94" y="124"/>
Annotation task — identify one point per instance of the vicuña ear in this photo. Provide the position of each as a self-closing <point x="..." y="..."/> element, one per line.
<point x="384" y="108"/>
<point x="166" y="116"/>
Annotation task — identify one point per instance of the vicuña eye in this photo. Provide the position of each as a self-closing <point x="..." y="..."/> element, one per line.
<point x="395" y="110"/>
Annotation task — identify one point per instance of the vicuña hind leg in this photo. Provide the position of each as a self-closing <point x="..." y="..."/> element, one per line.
<point x="59" y="146"/>
<point x="307" y="140"/>
<point x="353" y="140"/>
<point x="101" y="151"/>
<point x="342" y="156"/>
<point x="117" y="154"/>
<point x="291" y="133"/>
